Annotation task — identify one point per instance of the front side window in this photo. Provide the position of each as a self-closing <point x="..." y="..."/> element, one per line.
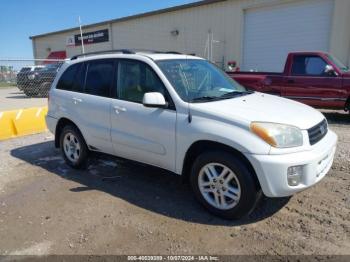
<point x="136" y="78"/>
<point x="99" y="77"/>
<point x="198" y="80"/>
<point x="309" y="66"/>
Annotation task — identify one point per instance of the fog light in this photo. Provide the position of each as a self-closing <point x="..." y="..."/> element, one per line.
<point x="294" y="174"/>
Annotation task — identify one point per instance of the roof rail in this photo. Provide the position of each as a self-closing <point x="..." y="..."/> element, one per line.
<point x="154" y="51"/>
<point x="171" y="53"/>
<point x="126" y="51"/>
<point x="122" y="51"/>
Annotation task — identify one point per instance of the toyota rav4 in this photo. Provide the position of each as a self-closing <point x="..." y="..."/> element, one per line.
<point x="183" y="114"/>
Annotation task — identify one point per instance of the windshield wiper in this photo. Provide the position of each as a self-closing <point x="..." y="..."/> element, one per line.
<point x="204" y="99"/>
<point x="225" y="96"/>
<point x="236" y="94"/>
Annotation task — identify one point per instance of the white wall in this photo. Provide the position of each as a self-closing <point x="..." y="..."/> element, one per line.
<point x="224" y="19"/>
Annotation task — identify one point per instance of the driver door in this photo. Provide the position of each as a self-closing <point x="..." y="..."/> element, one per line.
<point x="309" y="84"/>
<point x="142" y="133"/>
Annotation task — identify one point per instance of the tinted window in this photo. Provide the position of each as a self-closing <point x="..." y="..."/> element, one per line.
<point x="79" y="79"/>
<point x="99" y="77"/>
<point x="309" y="65"/>
<point x="68" y="78"/>
<point x="135" y="79"/>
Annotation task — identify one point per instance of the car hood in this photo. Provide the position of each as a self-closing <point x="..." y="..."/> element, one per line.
<point x="260" y="107"/>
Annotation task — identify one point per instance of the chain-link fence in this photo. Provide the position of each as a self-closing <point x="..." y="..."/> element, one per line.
<point x="32" y="77"/>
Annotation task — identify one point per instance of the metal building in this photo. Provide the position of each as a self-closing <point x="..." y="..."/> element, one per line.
<point x="257" y="34"/>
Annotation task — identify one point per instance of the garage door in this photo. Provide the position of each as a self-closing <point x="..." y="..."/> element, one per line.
<point x="271" y="32"/>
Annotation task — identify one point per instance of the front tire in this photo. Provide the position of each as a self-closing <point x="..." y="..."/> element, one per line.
<point x="29" y="92"/>
<point x="73" y="147"/>
<point x="224" y="185"/>
<point x="44" y="89"/>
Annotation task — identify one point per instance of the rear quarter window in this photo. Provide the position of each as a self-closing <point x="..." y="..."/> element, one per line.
<point x="73" y="78"/>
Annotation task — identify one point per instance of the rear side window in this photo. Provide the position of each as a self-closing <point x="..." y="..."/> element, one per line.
<point x="71" y="79"/>
<point x="309" y="66"/>
<point x="99" y="77"/>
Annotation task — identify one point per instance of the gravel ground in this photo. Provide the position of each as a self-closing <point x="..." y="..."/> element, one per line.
<point x="117" y="207"/>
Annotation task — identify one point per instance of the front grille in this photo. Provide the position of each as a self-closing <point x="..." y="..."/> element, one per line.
<point x="318" y="132"/>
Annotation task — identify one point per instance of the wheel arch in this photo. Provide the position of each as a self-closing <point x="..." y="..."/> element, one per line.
<point x="59" y="127"/>
<point x="203" y="145"/>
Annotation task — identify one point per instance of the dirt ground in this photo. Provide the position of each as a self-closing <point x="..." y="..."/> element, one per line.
<point x="117" y="207"/>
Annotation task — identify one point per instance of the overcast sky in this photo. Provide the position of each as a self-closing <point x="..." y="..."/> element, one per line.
<point x="20" y="19"/>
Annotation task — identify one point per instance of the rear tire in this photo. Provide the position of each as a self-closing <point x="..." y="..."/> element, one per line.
<point x="73" y="147"/>
<point x="224" y="185"/>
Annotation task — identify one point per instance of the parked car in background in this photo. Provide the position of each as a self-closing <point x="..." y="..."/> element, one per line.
<point x="39" y="81"/>
<point x="24" y="73"/>
<point x="317" y="79"/>
<point x="183" y="114"/>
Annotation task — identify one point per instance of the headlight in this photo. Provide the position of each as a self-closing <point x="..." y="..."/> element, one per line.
<point x="31" y="77"/>
<point x="278" y="135"/>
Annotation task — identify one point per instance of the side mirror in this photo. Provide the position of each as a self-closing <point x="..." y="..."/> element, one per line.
<point x="154" y="99"/>
<point x="231" y="65"/>
<point x="329" y="70"/>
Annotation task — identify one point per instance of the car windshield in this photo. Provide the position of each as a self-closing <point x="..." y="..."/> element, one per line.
<point x="51" y="67"/>
<point x="25" y="69"/>
<point x="198" y="80"/>
<point x="338" y="63"/>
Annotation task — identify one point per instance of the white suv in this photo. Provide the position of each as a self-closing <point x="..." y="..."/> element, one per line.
<point x="183" y="114"/>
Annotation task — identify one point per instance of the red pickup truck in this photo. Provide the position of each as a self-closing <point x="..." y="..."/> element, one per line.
<point x="314" y="78"/>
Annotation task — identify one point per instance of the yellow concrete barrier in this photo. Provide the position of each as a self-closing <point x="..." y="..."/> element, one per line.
<point x="22" y="122"/>
<point x="7" y="127"/>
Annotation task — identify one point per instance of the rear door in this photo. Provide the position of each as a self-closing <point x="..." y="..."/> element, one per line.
<point x="308" y="82"/>
<point x="141" y="133"/>
<point x="93" y="104"/>
<point x="83" y="96"/>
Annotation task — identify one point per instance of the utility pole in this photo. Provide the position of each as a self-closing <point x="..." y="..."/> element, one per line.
<point x="81" y="37"/>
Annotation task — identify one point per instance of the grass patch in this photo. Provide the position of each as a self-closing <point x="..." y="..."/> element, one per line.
<point x="4" y="85"/>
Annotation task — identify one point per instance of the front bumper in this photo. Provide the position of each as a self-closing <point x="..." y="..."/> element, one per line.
<point x="272" y="169"/>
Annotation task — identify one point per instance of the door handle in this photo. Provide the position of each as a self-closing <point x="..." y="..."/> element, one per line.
<point x="77" y="100"/>
<point x="291" y="81"/>
<point x="119" y="109"/>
